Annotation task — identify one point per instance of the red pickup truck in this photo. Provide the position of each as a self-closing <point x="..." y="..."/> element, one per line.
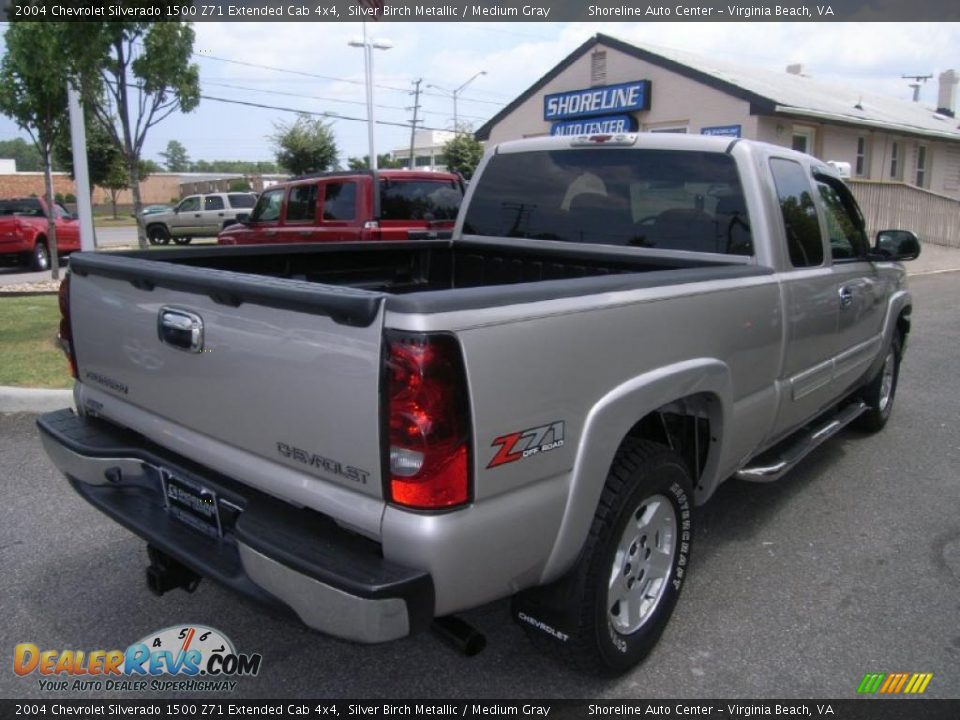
<point x="342" y="206"/>
<point x="23" y="232"/>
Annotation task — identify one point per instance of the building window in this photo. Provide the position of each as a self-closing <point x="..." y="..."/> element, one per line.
<point x="423" y="161"/>
<point x="921" y="165"/>
<point x="680" y="130"/>
<point x="894" y="161"/>
<point x="802" y="140"/>
<point x="598" y="68"/>
<point x="861" y="165"/>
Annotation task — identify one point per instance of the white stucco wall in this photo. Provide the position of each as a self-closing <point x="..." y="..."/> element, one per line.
<point x="676" y="101"/>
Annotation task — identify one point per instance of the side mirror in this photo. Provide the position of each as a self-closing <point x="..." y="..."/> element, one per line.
<point x="899" y="245"/>
<point x="243" y="218"/>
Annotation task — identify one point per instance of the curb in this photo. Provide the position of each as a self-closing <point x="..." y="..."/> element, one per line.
<point x="33" y="400"/>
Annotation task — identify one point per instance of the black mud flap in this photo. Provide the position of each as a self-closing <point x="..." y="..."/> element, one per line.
<point x="550" y="609"/>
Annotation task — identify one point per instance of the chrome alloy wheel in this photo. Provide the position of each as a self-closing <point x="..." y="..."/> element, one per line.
<point x="642" y="565"/>
<point x="886" y="381"/>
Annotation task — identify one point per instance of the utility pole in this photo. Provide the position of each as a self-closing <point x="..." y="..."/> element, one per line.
<point x="416" y="109"/>
<point x="916" y="85"/>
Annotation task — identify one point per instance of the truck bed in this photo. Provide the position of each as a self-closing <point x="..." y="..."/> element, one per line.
<point x="348" y="280"/>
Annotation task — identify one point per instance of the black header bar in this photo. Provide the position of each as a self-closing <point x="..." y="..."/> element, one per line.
<point x="483" y="10"/>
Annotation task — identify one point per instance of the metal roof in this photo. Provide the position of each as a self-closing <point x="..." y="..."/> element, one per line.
<point x="769" y="92"/>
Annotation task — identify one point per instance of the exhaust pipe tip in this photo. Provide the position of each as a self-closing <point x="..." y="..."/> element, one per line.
<point x="460" y="634"/>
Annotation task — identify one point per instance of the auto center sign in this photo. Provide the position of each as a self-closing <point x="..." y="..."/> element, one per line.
<point x="595" y="125"/>
<point x="589" y="102"/>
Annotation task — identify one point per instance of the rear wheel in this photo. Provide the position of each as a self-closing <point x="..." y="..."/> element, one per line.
<point x="633" y="565"/>
<point x="40" y="258"/>
<point x="158" y="235"/>
<point x="881" y="391"/>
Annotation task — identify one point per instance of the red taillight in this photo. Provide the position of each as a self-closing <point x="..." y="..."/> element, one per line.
<point x="66" y="331"/>
<point x="429" y="421"/>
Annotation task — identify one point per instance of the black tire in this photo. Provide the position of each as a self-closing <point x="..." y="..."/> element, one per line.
<point x="644" y="476"/>
<point x="158" y="235"/>
<point x="40" y="257"/>
<point x="878" y="398"/>
<point x="182" y="240"/>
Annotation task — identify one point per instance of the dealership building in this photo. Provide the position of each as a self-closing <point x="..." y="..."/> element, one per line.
<point x="607" y="85"/>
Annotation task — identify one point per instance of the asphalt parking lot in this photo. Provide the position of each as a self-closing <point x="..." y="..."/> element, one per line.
<point x="849" y="565"/>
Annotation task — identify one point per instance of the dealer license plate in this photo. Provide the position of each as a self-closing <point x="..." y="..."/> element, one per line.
<point x="192" y="504"/>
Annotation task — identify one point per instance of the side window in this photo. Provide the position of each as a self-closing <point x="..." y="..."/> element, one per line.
<point x="268" y="206"/>
<point x="242" y="200"/>
<point x="848" y="240"/>
<point x="340" y="201"/>
<point x="213" y="202"/>
<point x="799" y="213"/>
<point x="191" y="204"/>
<point x="302" y="203"/>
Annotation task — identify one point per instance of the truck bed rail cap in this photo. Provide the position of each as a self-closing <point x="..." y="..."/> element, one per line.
<point x="345" y="306"/>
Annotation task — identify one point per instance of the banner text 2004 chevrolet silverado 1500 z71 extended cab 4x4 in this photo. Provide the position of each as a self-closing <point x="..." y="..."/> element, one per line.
<point x="377" y="434"/>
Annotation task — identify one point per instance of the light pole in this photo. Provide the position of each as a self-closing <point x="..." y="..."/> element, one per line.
<point x="455" y="94"/>
<point x="368" y="47"/>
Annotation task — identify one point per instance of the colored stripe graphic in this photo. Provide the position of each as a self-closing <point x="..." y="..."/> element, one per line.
<point x="894" y="683"/>
<point x="871" y="683"/>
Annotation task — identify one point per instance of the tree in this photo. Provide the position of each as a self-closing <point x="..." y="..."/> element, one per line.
<point x="386" y="160"/>
<point x="305" y="146"/>
<point x="103" y="154"/>
<point x="239" y="186"/>
<point x="134" y="75"/>
<point x="175" y="157"/>
<point x="26" y="154"/>
<point x="463" y="153"/>
<point x="33" y="92"/>
<point x="116" y="180"/>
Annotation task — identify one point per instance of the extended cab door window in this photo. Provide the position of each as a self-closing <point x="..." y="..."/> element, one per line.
<point x="339" y="201"/>
<point x="213" y="202"/>
<point x="845" y="225"/>
<point x="302" y="204"/>
<point x="799" y="211"/>
<point x="268" y="206"/>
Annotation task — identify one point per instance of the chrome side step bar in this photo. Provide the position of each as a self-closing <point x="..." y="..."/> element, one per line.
<point x="775" y="463"/>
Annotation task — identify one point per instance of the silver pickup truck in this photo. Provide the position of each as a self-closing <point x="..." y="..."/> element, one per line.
<point x="375" y="435"/>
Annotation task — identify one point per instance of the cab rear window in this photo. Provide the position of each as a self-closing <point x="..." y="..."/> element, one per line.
<point x="419" y="199"/>
<point x="665" y="199"/>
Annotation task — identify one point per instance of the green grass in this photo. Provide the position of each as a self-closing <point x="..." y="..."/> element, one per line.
<point x="107" y="221"/>
<point x="29" y="354"/>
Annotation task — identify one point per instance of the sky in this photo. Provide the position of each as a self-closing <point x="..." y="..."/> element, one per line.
<point x="235" y="61"/>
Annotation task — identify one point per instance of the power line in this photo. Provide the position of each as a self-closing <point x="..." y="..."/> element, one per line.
<point x="328" y="115"/>
<point x="325" y="99"/>
<point x="303" y="73"/>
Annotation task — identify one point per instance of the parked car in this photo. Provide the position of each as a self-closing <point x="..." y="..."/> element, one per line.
<point x="23" y="232"/>
<point x="197" y="216"/>
<point x="344" y="206"/>
<point x="379" y="434"/>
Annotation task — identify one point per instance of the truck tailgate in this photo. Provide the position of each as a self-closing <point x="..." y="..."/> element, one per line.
<point x="277" y="371"/>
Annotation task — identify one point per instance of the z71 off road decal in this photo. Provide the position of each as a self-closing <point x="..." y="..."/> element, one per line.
<point x="526" y="443"/>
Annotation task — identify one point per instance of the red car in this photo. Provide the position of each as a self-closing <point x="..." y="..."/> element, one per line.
<point x="343" y="206"/>
<point x="23" y="232"/>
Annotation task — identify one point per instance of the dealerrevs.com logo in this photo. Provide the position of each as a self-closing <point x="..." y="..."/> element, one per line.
<point x="180" y="658"/>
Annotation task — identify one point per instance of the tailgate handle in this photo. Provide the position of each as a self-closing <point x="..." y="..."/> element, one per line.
<point x="181" y="329"/>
